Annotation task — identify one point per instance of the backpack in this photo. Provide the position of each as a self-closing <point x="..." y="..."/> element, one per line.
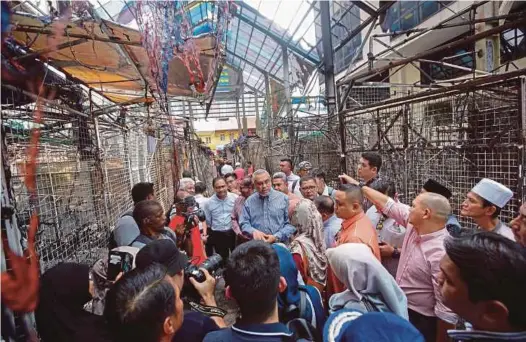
<point x="294" y="185"/>
<point x="112" y="243"/>
<point x="300" y="319"/>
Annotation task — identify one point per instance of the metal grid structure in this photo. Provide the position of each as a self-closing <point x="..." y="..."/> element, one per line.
<point x="84" y="175"/>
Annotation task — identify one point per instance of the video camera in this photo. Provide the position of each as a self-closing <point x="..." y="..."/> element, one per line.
<point x="190" y="215"/>
<point x="211" y="264"/>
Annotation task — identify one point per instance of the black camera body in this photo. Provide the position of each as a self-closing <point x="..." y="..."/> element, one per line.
<point x="190" y="216"/>
<point x="118" y="262"/>
<point x="212" y="264"/>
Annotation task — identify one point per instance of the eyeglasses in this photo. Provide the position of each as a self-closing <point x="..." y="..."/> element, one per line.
<point x="308" y="188"/>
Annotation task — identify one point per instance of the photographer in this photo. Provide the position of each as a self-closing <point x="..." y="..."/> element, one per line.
<point x="218" y="212"/>
<point x="185" y="224"/>
<point x="195" y="325"/>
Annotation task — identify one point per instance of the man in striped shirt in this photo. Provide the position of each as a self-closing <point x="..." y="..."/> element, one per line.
<point x="265" y="213"/>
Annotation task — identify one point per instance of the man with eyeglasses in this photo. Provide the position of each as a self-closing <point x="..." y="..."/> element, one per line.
<point x="308" y="187"/>
<point x="265" y="213"/>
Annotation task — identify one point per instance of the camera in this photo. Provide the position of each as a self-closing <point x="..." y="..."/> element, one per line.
<point x="194" y="212"/>
<point x="212" y="265"/>
<point x="118" y="261"/>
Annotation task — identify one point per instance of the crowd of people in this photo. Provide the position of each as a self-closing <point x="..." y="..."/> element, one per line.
<point x="303" y="261"/>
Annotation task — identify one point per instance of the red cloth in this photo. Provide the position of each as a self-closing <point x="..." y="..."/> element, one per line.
<point x="299" y="265"/>
<point x="199" y="254"/>
<point x="240" y="174"/>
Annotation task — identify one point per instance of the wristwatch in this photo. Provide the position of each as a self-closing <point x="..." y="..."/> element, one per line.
<point x="396" y="253"/>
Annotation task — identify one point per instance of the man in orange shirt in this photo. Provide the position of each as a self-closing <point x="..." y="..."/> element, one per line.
<point x="356" y="226"/>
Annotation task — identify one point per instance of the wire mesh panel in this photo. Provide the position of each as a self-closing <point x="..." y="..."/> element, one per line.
<point x="84" y="174"/>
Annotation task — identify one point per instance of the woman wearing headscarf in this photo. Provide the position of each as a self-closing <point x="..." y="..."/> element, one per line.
<point x="60" y="315"/>
<point x="369" y="285"/>
<point x="308" y="245"/>
<point x="297" y="301"/>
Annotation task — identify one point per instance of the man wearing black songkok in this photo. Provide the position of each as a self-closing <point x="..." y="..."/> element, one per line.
<point x="452" y="225"/>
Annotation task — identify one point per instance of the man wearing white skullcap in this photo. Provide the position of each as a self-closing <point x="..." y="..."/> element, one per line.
<point x="484" y="203"/>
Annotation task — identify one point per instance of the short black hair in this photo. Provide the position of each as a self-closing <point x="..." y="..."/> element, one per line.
<point x="141" y="191"/>
<point x="214" y="181"/>
<point x="200" y="188"/>
<point x="143" y="210"/>
<point x="324" y="204"/>
<point x="187" y="174"/>
<point x="320" y="174"/>
<point x="352" y="192"/>
<point x="486" y="203"/>
<point x="384" y="186"/>
<point x="306" y="179"/>
<point x="288" y="160"/>
<point x="253" y="273"/>
<point x="374" y="159"/>
<point x="493" y="268"/>
<point x="230" y="175"/>
<point x="138" y="304"/>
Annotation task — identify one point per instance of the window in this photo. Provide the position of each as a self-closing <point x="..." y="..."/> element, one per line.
<point x="346" y="21"/>
<point x="222" y="137"/>
<point x="208" y="140"/>
<point x="405" y="15"/>
<point x="513" y="44"/>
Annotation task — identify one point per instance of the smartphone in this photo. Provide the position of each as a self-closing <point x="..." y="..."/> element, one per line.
<point x="118" y="262"/>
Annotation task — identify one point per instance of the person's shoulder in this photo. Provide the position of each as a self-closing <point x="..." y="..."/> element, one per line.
<point x="232" y="196"/>
<point x="195" y="327"/>
<point x="221" y="335"/>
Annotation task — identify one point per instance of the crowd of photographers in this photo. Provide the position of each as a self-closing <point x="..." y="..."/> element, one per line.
<point x="302" y="261"/>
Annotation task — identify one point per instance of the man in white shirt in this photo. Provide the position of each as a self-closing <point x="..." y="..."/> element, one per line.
<point x="285" y="165"/>
<point x="484" y="203"/>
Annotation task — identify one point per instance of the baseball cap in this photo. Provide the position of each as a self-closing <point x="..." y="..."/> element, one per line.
<point x="305" y="165"/>
<point x="437" y="188"/>
<point x="164" y="252"/>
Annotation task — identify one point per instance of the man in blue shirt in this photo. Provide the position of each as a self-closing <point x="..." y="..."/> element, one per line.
<point x="218" y="211"/>
<point x="253" y="279"/>
<point x="265" y="213"/>
<point x="331" y="223"/>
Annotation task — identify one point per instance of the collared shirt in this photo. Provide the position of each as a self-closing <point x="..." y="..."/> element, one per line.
<point x="293" y="202"/>
<point x="291" y="179"/>
<point x="331" y="227"/>
<point x="504" y="230"/>
<point x="236" y="213"/>
<point x="390" y="232"/>
<point x="359" y="229"/>
<point x="272" y="332"/>
<point x="219" y="212"/>
<point x="419" y="266"/>
<point x="485" y="336"/>
<point x="268" y="214"/>
<point x="328" y="191"/>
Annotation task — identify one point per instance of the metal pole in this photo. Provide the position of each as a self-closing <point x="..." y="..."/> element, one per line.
<point x="269" y="119"/>
<point x="330" y="85"/>
<point x="245" y="128"/>
<point x="238" y="117"/>
<point x="288" y="109"/>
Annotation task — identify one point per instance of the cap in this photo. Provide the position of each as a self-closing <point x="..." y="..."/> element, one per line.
<point x="493" y="192"/>
<point x="305" y="165"/>
<point x="353" y="325"/>
<point x="226" y="169"/>
<point x="164" y="252"/>
<point x="437" y="188"/>
<point x="238" y="164"/>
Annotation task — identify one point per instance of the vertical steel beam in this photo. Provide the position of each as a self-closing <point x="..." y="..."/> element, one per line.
<point x="288" y="109"/>
<point x="242" y="94"/>
<point x="269" y="120"/>
<point x="330" y="84"/>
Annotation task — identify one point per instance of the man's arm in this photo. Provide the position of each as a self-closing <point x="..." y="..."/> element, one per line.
<point x="206" y="291"/>
<point x="208" y="214"/>
<point x="235" y="223"/>
<point x="377" y="198"/>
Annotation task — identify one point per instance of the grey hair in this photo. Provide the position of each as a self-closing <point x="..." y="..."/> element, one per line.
<point x="280" y="175"/>
<point x="184" y="182"/>
<point x="438" y="204"/>
<point x="259" y="172"/>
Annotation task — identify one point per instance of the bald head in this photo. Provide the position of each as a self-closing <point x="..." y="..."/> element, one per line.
<point x="437" y="204"/>
<point x="429" y="213"/>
